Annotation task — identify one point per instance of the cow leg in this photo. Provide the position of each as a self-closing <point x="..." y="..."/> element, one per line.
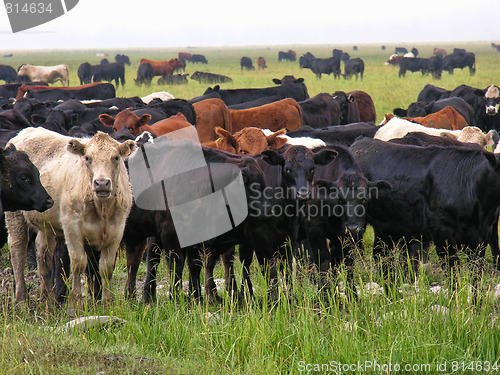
<point x="245" y="251"/>
<point x="77" y="256"/>
<point x="135" y="253"/>
<point x="45" y="245"/>
<point x="61" y="270"/>
<point x="321" y="257"/>
<point x="94" y="280"/>
<point x="176" y="260"/>
<point x="154" y="256"/>
<point x="194" y="265"/>
<point x="230" y="280"/>
<point x="495" y="250"/>
<point x="210" y="287"/>
<point x="18" y="244"/>
<point x="106" y="268"/>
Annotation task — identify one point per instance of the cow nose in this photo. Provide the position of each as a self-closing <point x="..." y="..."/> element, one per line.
<point x="491" y="110"/>
<point x="303" y="193"/>
<point x="104" y="184"/>
<point x="49" y="202"/>
<point x="353" y="229"/>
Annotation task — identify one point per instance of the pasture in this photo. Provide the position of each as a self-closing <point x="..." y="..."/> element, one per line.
<point x="420" y="328"/>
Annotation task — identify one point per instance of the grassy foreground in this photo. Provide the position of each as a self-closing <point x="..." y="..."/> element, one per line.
<point x="426" y="328"/>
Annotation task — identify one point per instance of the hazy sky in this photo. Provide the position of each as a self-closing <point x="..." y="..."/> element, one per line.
<point x="146" y="23"/>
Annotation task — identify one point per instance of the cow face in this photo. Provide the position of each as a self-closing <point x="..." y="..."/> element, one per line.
<point x="298" y="163"/>
<point x="249" y="141"/>
<point x="103" y="158"/>
<point x="125" y="119"/>
<point x="21" y="188"/>
<point x="492" y="97"/>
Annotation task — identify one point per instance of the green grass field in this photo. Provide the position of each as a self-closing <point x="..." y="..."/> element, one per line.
<point x="425" y="328"/>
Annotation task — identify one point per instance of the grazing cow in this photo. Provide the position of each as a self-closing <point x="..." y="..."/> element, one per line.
<point x="460" y="60"/>
<point x="447" y="118"/>
<point x="185" y="56"/>
<point x="354" y="67"/>
<point x="459" y="50"/>
<point x="282" y="114"/>
<point x="175" y="79"/>
<point x="20" y="186"/>
<point x="97" y="73"/>
<point x="122" y="59"/>
<point x="246" y="63"/>
<point x="484" y="103"/>
<point x="297" y="91"/>
<point x="439" y="52"/>
<point x="426" y="204"/>
<point x="421" y="109"/>
<point x="496" y="46"/>
<point x="249" y="140"/>
<point x="211" y="113"/>
<point x="145" y="74"/>
<point x="324" y="66"/>
<point x="47" y="74"/>
<point x="88" y="181"/>
<point x="287" y="56"/>
<point x="203" y="77"/>
<point x="413" y="64"/>
<point x="163" y="68"/>
<point x="8" y="74"/>
<point x="320" y="111"/>
<point x="261" y="63"/>
<point x="401" y="50"/>
<point x="197" y="58"/>
<point x="85" y="92"/>
<point x="382" y="47"/>
<point x="431" y="93"/>
<point x="287" y="79"/>
<point x="341" y="134"/>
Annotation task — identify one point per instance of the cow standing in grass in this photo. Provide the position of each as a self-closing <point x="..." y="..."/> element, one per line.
<point x="88" y="181"/>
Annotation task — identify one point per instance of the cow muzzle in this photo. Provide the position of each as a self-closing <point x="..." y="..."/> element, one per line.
<point x="491" y="110"/>
<point x="303" y="193"/>
<point x="102" y="187"/>
<point x="45" y="205"/>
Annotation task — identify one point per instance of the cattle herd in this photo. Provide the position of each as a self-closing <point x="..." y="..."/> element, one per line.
<point x="315" y="171"/>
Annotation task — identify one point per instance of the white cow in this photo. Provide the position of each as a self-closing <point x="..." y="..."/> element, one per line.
<point x="89" y="184"/>
<point x="47" y="74"/>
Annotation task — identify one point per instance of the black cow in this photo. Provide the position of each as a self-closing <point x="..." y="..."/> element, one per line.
<point x="8" y="74"/>
<point x="354" y="67"/>
<point x="92" y="91"/>
<point x="103" y="72"/>
<point x="287" y="56"/>
<point x="203" y="77"/>
<point x="422" y="109"/>
<point x="145" y="74"/>
<point x="349" y="111"/>
<point x="459" y="50"/>
<point x="431" y="93"/>
<point x="320" y="111"/>
<point x="436" y="66"/>
<point x="197" y="58"/>
<point x="341" y="134"/>
<point x="246" y="63"/>
<point x="337" y="53"/>
<point x="174" y="106"/>
<point x="303" y="59"/>
<point x="297" y="91"/>
<point x="20" y="184"/>
<point x="484" y="103"/>
<point x="122" y="59"/>
<point x="496" y="46"/>
<point x="287" y="79"/>
<point x="104" y="61"/>
<point x="414" y="51"/>
<point x="174" y="79"/>
<point x="399" y="50"/>
<point x="426" y="204"/>
<point x="414" y="64"/>
<point x="460" y="60"/>
<point x="324" y="66"/>
<point x="10" y="90"/>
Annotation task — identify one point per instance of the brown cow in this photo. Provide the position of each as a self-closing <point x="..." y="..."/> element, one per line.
<point x="163" y="68"/>
<point x="137" y="125"/>
<point x="366" y="107"/>
<point x="447" y="118"/>
<point x="211" y="113"/>
<point x="247" y="141"/>
<point x="285" y="113"/>
<point x="97" y="90"/>
<point x="261" y="63"/>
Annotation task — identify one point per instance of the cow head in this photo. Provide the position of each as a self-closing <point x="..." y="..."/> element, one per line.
<point x="298" y="164"/>
<point x="249" y="140"/>
<point x="103" y="158"/>
<point x="343" y="101"/>
<point x="287" y="79"/>
<point x="21" y="188"/>
<point x="125" y="119"/>
<point x="492" y="97"/>
<point x="393" y="60"/>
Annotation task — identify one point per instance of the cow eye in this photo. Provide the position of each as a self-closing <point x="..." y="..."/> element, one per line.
<point x="116" y="158"/>
<point x="88" y="160"/>
<point x="288" y="171"/>
<point x="24" y="178"/>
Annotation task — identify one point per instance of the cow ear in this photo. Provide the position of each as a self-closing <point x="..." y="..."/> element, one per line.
<point x="492" y="138"/>
<point x="277" y="81"/>
<point x="400" y="112"/>
<point x="448" y="135"/>
<point x="126" y="148"/>
<point x="216" y="88"/>
<point x="76" y="147"/>
<point x="324" y="157"/>
<point x="275" y="141"/>
<point x="228" y="137"/>
<point x="299" y="80"/>
<point x="381" y="186"/>
<point x="271" y="157"/>
<point x="37" y="120"/>
<point x="9" y="150"/>
<point x="143" y="120"/>
<point x="350" y="98"/>
<point x="107" y="120"/>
